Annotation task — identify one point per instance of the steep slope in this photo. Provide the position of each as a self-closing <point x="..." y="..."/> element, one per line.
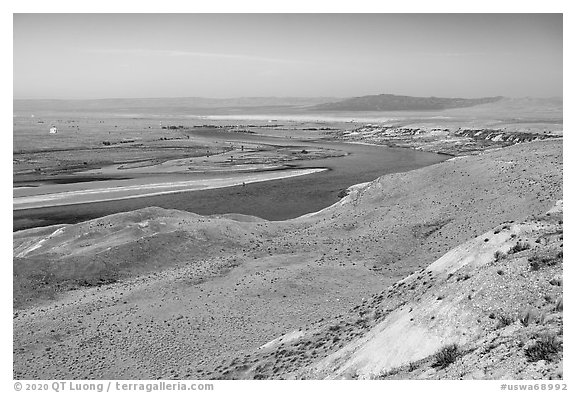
<point x="508" y="276"/>
<point x="391" y="102"/>
<point x="489" y="308"/>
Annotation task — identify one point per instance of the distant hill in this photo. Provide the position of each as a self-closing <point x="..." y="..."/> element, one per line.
<point x="391" y="102"/>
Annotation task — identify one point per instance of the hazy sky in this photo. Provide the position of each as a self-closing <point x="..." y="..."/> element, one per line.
<point x="233" y="55"/>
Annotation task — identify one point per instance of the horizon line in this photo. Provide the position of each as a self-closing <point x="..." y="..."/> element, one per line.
<point x="274" y="96"/>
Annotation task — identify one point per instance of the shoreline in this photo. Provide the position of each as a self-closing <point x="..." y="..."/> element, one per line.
<point x="42" y="200"/>
<point x="282" y="199"/>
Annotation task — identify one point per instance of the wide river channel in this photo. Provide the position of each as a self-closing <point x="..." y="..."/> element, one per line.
<point x="278" y="199"/>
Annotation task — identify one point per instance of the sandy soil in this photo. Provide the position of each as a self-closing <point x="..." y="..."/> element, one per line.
<point x="157" y="293"/>
<point x="465" y="298"/>
<point x="493" y="297"/>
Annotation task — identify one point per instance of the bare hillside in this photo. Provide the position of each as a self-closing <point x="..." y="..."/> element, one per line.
<point x="489" y="308"/>
<point x="165" y="286"/>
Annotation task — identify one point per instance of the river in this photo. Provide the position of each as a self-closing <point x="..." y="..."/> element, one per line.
<point x="272" y="200"/>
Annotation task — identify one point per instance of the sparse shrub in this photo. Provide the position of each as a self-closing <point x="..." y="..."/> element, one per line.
<point x="537" y="261"/>
<point x="559" y="306"/>
<point x="463" y="278"/>
<point x="446" y="356"/>
<point x="392" y="371"/>
<point x="498" y="255"/>
<point x="518" y="247"/>
<point x="542" y="319"/>
<point x="545" y="348"/>
<point x="528" y="317"/>
<point x="504" y="320"/>
<point x="556" y="282"/>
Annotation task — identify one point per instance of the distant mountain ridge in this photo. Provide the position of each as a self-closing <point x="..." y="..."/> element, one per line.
<point x="376" y="103"/>
<point x="392" y="102"/>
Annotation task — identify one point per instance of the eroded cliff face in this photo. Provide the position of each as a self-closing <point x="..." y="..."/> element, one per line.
<point x="453" y="141"/>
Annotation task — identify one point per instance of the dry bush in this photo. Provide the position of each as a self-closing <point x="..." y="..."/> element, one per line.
<point x="528" y="317"/>
<point x="559" y="306"/>
<point x="498" y="255"/>
<point x="538" y="261"/>
<point x="518" y="247"/>
<point x="546" y="348"/>
<point x="504" y="320"/>
<point x="446" y="356"/>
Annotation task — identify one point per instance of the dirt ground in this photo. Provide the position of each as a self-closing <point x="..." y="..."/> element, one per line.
<point x="158" y="293"/>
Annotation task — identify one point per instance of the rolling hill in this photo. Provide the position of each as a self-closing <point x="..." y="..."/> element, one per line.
<point x="391" y="102"/>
